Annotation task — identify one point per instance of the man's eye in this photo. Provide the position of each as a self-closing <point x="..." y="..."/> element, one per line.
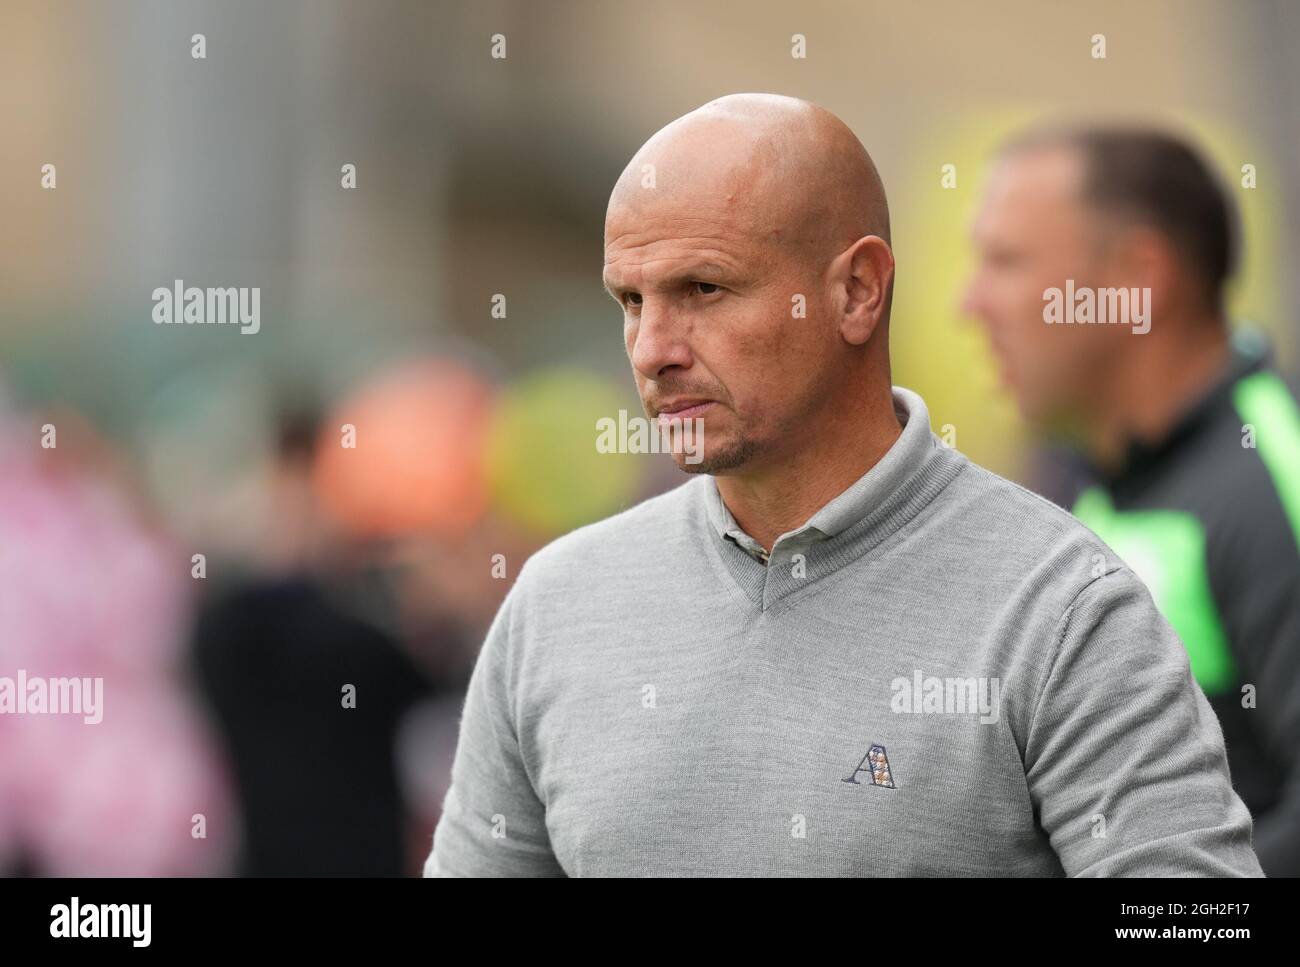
<point x="707" y="288"/>
<point x="632" y="299"/>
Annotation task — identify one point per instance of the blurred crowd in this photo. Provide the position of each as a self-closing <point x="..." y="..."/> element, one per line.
<point x="283" y="680"/>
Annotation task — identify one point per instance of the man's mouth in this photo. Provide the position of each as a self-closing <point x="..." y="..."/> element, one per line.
<point x="683" y="409"/>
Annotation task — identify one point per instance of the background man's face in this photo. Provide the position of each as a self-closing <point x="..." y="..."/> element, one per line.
<point x="706" y="286"/>
<point x="1032" y="234"/>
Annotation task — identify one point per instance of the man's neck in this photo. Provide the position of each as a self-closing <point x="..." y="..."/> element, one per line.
<point x="784" y="494"/>
<point x="1154" y="389"/>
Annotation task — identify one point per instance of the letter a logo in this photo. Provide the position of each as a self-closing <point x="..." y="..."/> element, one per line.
<point x="877" y="764"/>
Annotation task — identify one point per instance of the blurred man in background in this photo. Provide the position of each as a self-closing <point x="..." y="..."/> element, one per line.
<point x="309" y="692"/>
<point x="1192" y="440"/>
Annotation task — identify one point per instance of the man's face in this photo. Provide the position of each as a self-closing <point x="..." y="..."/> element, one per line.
<point x="1033" y="234"/>
<point x="707" y="290"/>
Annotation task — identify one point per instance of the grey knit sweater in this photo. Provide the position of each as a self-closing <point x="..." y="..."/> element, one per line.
<point x="938" y="674"/>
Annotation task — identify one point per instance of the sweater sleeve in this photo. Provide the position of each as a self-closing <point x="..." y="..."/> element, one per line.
<point x="1125" y="759"/>
<point x="492" y="822"/>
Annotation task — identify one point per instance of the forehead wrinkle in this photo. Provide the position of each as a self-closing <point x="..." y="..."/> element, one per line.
<point x="722" y="235"/>
<point x="754" y="224"/>
<point x="647" y="244"/>
<point x="703" y="262"/>
<point x="692" y="243"/>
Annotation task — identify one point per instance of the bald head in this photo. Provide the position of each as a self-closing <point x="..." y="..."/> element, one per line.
<point x="780" y="168"/>
<point x="747" y="243"/>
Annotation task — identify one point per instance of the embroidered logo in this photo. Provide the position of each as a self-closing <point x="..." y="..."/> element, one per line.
<point x="875" y="762"/>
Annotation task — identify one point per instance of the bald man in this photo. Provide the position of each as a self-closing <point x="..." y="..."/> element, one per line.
<point x="840" y="648"/>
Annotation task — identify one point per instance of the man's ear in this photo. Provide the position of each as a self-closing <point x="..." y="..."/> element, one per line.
<point x="1147" y="260"/>
<point x="860" y="279"/>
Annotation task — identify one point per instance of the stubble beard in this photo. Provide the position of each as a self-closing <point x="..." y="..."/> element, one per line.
<point x="720" y="460"/>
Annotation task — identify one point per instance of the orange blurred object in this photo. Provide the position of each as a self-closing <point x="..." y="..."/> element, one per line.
<point x="415" y="462"/>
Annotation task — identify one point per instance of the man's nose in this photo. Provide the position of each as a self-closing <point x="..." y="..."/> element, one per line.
<point x="659" y="341"/>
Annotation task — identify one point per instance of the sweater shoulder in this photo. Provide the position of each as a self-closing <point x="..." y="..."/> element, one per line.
<point x="988" y="495"/>
<point x="657" y="521"/>
<point x="1022" y="540"/>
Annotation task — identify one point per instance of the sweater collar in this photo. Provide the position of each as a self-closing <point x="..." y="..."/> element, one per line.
<point x="879" y="502"/>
